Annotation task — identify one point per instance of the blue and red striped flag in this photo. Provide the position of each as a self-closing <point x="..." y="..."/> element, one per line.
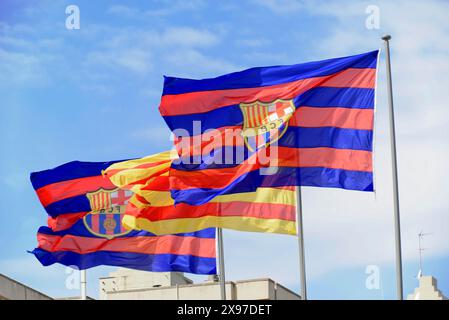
<point x="79" y="246"/>
<point x="85" y="226"/>
<point x="312" y="121"/>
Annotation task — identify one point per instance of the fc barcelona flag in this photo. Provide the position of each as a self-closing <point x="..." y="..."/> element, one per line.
<point x="85" y="226"/>
<point x="76" y="189"/>
<point x="315" y="120"/>
<point x="79" y="246"/>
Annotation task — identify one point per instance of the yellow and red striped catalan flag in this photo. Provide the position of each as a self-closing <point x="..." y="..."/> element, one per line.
<point x="152" y="208"/>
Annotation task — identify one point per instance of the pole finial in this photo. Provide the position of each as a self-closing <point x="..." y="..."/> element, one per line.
<point x="386" y="37"/>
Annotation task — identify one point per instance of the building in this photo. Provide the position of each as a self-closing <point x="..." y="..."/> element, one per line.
<point x="13" y="290"/>
<point x="132" y="284"/>
<point x="125" y="284"/>
<point x="427" y="290"/>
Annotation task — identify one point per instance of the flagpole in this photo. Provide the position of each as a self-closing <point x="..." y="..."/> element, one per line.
<point x="221" y="264"/>
<point x="397" y="225"/>
<point x="300" y="233"/>
<point x="83" y="285"/>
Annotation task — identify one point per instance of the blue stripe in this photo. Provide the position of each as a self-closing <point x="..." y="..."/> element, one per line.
<point x="88" y="219"/>
<point x="267" y="76"/>
<point x="101" y="224"/>
<point x="118" y="223"/>
<point x="355" y="98"/>
<point x="69" y="205"/>
<point x="286" y="176"/>
<point x="68" y="171"/>
<point x="140" y="261"/>
<point x="325" y="97"/>
<point x="221" y="117"/>
<point x="78" y="229"/>
<point x="330" y="137"/>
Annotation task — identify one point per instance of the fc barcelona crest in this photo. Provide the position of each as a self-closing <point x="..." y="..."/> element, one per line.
<point x="107" y="210"/>
<point x="265" y="123"/>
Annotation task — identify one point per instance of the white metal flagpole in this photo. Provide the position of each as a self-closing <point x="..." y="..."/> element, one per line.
<point x="221" y="264"/>
<point x="83" y="285"/>
<point x="397" y="224"/>
<point x="300" y="233"/>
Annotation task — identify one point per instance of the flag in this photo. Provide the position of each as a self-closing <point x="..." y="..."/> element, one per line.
<point x="315" y="120"/>
<point x="135" y="173"/>
<point x="67" y="192"/>
<point x="85" y="248"/>
<point x="85" y="229"/>
<point x="151" y="208"/>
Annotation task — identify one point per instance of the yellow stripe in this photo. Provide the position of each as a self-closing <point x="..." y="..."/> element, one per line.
<point x="129" y="174"/>
<point x="173" y="226"/>
<point x="262" y="195"/>
<point x="157" y="198"/>
<point x="129" y="164"/>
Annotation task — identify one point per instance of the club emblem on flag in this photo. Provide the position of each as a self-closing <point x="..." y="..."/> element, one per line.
<point x="265" y="123"/>
<point x="107" y="210"/>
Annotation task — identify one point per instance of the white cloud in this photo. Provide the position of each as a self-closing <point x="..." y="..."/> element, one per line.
<point x="187" y="36"/>
<point x="122" y="10"/>
<point x="132" y="59"/>
<point x="153" y="134"/>
<point x="193" y="63"/>
<point x="20" y="68"/>
<point x="159" y="8"/>
<point x="281" y="6"/>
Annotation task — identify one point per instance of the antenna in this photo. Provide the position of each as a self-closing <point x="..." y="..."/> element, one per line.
<point x="421" y="249"/>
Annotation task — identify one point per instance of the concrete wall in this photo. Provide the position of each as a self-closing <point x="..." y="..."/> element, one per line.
<point x="13" y="290"/>
<point x="130" y="284"/>
<point x="127" y="280"/>
<point x="263" y="289"/>
<point x="177" y="292"/>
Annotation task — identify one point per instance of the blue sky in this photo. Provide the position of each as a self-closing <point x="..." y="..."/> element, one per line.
<point x="92" y="94"/>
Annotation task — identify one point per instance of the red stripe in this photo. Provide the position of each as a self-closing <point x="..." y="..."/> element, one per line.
<point x="95" y="224"/>
<point x="352" y="78"/>
<point x="169" y="244"/>
<point x="102" y="201"/>
<point x="203" y="101"/>
<point x="158" y="184"/>
<point x="108" y="216"/>
<point x="225" y="209"/>
<point x="225" y="136"/>
<point x="361" y="119"/>
<point x="94" y="204"/>
<point x="256" y="116"/>
<point x="145" y="179"/>
<point x="70" y="188"/>
<point x="251" y="116"/>
<point x="260" y="115"/>
<point x="64" y="221"/>
<point x="346" y="159"/>
<point x="265" y="116"/>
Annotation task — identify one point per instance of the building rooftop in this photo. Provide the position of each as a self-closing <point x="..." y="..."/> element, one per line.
<point x="11" y="289"/>
<point x="427" y="290"/>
